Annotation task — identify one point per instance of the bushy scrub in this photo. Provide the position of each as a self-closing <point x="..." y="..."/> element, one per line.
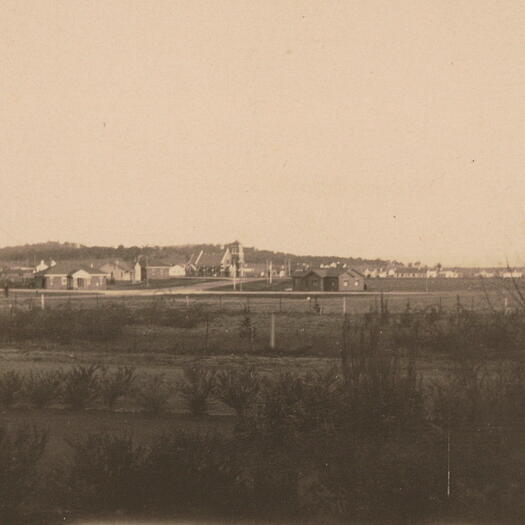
<point x="80" y="386"/>
<point x="43" y="388"/>
<point x="115" y="384"/>
<point x="11" y="385"/>
<point x="237" y="388"/>
<point x="153" y="393"/>
<point x="196" y="388"/>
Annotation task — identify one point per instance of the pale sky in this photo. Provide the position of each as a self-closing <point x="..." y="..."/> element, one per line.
<point x="391" y="129"/>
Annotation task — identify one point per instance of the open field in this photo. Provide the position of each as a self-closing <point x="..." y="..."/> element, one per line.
<point x="267" y="300"/>
<point x="473" y="284"/>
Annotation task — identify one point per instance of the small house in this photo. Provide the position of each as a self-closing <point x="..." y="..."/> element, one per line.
<point x="157" y="270"/>
<point x="17" y="274"/>
<point x="67" y="277"/>
<point x="118" y="271"/>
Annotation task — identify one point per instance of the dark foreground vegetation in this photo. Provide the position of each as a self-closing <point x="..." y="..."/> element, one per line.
<point x="367" y="441"/>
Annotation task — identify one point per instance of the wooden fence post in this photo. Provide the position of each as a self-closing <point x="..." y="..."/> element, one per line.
<point x="206" y="334"/>
<point x="272" y="331"/>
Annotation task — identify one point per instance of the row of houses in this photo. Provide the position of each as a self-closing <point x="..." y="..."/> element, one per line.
<point x="415" y="272"/>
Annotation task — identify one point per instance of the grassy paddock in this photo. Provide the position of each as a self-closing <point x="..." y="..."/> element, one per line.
<point x="158" y="329"/>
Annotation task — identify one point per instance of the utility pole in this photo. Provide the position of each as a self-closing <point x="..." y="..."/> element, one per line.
<point x="271" y="271"/>
<point x="448" y="463"/>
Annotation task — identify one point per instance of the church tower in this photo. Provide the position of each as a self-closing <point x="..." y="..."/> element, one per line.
<point x="237" y="257"/>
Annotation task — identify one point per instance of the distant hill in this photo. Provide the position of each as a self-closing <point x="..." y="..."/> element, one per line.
<point x="31" y="254"/>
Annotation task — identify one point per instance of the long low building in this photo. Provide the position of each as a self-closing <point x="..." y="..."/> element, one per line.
<point x="66" y="277"/>
<point x="329" y="280"/>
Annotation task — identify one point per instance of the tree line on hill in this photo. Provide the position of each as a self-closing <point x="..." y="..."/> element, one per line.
<point x="33" y="253"/>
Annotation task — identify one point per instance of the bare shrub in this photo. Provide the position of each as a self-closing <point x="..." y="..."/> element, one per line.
<point x="11" y="385"/>
<point x="247" y="330"/>
<point x="153" y="393"/>
<point x="237" y="388"/>
<point x="42" y="388"/>
<point x="196" y="388"/>
<point x="80" y="386"/>
<point x="115" y="384"/>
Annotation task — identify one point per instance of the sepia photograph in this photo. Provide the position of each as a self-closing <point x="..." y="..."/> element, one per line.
<point x="262" y="262"/>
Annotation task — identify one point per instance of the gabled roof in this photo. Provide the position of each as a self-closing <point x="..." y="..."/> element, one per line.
<point x="353" y="271"/>
<point x="328" y="272"/>
<point x="68" y="269"/>
<point x="210" y="259"/>
<point x="176" y="259"/>
<point x="123" y="265"/>
<point x="156" y="263"/>
<point x="168" y="261"/>
<point x="299" y="273"/>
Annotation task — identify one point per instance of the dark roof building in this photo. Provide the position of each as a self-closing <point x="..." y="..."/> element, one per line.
<point x="329" y="280"/>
